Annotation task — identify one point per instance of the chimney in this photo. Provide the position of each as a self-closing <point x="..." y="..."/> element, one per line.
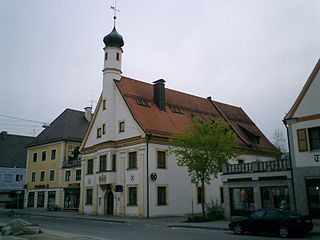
<point x="88" y="113"/>
<point x="159" y="94"/>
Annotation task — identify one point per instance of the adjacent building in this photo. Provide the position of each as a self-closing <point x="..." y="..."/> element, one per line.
<point x="127" y="167"/>
<point x="12" y="168"/>
<point x="303" y="125"/>
<point x="53" y="164"/>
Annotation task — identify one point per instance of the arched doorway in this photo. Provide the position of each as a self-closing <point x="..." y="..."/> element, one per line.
<point x="109" y="203"/>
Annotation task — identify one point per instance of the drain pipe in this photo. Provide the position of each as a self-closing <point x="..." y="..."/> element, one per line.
<point x="291" y="166"/>
<point x="148" y="206"/>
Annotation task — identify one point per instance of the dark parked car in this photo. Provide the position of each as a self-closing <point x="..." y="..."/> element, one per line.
<point x="272" y="221"/>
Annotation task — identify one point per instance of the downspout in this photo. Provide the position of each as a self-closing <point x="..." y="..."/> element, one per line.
<point x="292" y="182"/>
<point x="148" y="206"/>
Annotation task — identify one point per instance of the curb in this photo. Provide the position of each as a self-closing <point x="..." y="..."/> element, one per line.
<point x="201" y="227"/>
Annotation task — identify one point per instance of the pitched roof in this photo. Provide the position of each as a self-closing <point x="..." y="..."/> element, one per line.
<point x="13" y="152"/>
<point x="70" y="125"/>
<point x="165" y="123"/>
<point x="303" y="91"/>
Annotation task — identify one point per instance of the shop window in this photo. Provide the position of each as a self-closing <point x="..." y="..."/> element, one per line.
<point x="302" y="140"/>
<point x="51" y="198"/>
<point x="40" y="201"/>
<point x="313" y="192"/>
<point x="132" y="160"/>
<point x="314" y="138"/>
<point x="162" y="195"/>
<point x="132" y="198"/>
<point x="242" y="201"/>
<point x="72" y="198"/>
<point x="275" y="197"/>
<point x="30" y="199"/>
<point x="161" y="159"/>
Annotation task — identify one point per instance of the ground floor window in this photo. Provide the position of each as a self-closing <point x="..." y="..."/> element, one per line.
<point x="89" y="197"/>
<point x="51" y="198"/>
<point x="40" y="201"/>
<point x="72" y="198"/>
<point x="242" y="201"/>
<point x="200" y="195"/>
<point x="313" y="191"/>
<point x="31" y="199"/>
<point x="275" y="197"/>
<point x="132" y="199"/>
<point x="162" y="195"/>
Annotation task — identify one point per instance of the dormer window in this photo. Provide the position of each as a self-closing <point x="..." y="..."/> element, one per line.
<point x="142" y="102"/>
<point x="255" y="139"/>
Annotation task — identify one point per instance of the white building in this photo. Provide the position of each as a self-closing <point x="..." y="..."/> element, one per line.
<point x="303" y="125"/>
<point x="127" y="168"/>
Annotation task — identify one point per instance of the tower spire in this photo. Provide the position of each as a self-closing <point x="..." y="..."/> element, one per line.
<point x="115" y="9"/>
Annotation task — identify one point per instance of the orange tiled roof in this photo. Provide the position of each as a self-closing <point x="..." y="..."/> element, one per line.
<point x="165" y="123"/>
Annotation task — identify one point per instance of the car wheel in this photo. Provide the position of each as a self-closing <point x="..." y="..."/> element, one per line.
<point x="283" y="231"/>
<point x="237" y="228"/>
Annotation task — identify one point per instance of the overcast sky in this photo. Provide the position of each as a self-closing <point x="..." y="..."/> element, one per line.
<point x="249" y="53"/>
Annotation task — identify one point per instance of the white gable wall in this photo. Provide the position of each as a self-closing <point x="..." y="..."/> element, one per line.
<point x="310" y="104"/>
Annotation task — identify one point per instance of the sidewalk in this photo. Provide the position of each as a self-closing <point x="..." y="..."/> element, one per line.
<point x="174" y="222"/>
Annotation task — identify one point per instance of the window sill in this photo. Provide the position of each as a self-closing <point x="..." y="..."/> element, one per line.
<point x="131" y="169"/>
<point x="162" y="205"/>
<point x="132" y="205"/>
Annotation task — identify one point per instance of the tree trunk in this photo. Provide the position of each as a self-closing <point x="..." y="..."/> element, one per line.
<point x="203" y="200"/>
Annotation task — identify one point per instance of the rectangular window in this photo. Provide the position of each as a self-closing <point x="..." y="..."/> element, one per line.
<point x="43" y="155"/>
<point x="67" y="176"/>
<point x="17" y="178"/>
<point x="161" y="159"/>
<point x="78" y="174"/>
<point x="103" y="163"/>
<point x="104" y="104"/>
<point x="302" y="140"/>
<point x="51" y="176"/>
<point x="103" y="128"/>
<point x="35" y="157"/>
<point x="8" y="178"/>
<point x="99" y="130"/>
<point x="275" y="197"/>
<point x="132" y="160"/>
<point x="40" y="201"/>
<point x="90" y="166"/>
<point x="162" y="195"/>
<point x="242" y="201"/>
<point x="221" y="195"/>
<point x="31" y="199"/>
<point x="42" y="176"/>
<point x="53" y="154"/>
<point x="121" y="127"/>
<point x="132" y="198"/>
<point x="33" y="177"/>
<point x="118" y="56"/>
<point x="51" y="198"/>
<point x="89" y="197"/>
<point x="114" y="163"/>
<point x="314" y="138"/>
<point x="200" y="195"/>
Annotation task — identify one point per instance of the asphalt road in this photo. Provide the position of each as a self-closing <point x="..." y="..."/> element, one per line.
<point x="141" y="230"/>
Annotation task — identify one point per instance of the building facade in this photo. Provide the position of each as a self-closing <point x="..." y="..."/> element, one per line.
<point x="53" y="165"/>
<point x="12" y="169"/>
<point x="127" y="167"/>
<point x="303" y="126"/>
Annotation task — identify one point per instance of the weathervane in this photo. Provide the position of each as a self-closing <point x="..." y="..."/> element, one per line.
<point x="115" y="9"/>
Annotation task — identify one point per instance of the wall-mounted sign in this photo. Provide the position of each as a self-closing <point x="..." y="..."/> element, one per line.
<point x="153" y="176"/>
<point x="317" y="157"/>
<point x="119" y="188"/>
<point x="73" y="185"/>
<point x="102" y="179"/>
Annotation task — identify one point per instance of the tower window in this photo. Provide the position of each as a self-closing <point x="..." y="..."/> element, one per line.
<point x="118" y="56"/>
<point x="106" y="56"/>
<point x="104" y="104"/>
